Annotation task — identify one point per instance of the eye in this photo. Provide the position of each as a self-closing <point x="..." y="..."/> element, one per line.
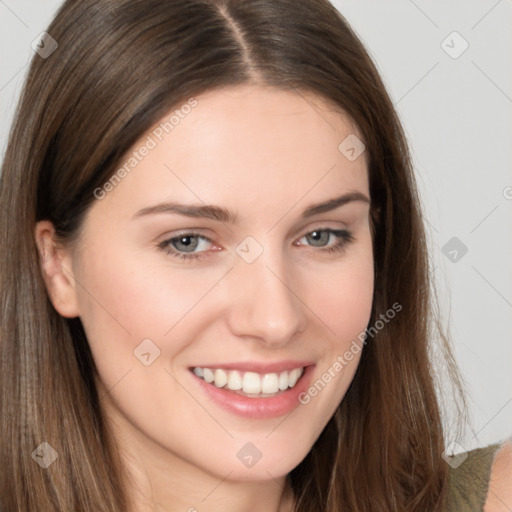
<point x="193" y="246"/>
<point x="319" y="238"/>
<point x="186" y="246"/>
<point x="188" y="243"/>
<point x="327" y="239"/>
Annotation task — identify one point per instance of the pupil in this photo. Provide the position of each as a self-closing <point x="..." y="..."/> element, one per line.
<point x="186" y="243"/>
<point x="318" y="238"/>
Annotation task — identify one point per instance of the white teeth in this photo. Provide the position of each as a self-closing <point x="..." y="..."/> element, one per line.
<point x="250" y="382"/>
<point x="234" y="380"/>
<point x="283" y="381"/>
<point x="208" y="375"/>
<point x="294" y="376"/>
<point x="221" y="378"/>
<point x="270" y="383"/>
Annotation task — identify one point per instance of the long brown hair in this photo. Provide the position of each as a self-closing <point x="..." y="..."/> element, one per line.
<point x="119" y="67"/>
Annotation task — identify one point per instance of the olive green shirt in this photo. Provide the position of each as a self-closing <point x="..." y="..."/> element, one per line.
<point x="469" y="479"/>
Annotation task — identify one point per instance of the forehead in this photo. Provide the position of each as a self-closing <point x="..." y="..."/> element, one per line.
<point x="249" y="146"/>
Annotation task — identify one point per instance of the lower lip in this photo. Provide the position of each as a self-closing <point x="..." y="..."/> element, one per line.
<point x="258" y="408"/>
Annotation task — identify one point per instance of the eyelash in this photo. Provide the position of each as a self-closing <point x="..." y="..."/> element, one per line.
<point x="344" y="238"/>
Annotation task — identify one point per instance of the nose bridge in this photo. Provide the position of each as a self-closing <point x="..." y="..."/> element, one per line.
<point x="264" y="304"/>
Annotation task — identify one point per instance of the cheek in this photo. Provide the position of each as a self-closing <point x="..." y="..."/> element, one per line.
<point x="343" y="300"/>
<point x="343" y="303"/>
<point x="347" y="305"/>
<point x="124" y="301"/>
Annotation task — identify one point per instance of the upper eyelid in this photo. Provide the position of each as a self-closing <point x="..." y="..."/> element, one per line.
<point x="186" y="232"/>
<point x="198" y="232"/>
<point x="315" y="226"/>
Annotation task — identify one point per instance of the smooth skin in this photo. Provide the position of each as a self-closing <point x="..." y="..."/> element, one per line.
<point x="266" y="155"/>
<point x="499" y="496"/>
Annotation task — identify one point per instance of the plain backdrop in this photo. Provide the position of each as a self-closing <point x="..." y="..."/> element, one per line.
<point x="448" y="68"/>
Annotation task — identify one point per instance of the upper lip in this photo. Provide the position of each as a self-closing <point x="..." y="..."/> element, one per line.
<point x="247" y="366"/>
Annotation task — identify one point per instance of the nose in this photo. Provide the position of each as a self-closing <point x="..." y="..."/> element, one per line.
<point x="263" y="303"/>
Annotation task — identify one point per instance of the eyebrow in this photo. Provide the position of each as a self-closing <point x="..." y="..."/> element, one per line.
<point x="332" y="204"/>
<point x="221" y="214"/>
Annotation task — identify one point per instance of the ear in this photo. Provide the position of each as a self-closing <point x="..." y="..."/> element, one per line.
<point x="56" y="267"/>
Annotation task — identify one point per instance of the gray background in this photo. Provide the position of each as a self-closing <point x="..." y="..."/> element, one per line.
<point x="457" y="113"/>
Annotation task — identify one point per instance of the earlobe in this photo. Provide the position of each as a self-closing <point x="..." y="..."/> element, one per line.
<point x="56" y="268"/>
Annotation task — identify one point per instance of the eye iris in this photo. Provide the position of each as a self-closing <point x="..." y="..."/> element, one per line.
<point x="185" y="243"/>
<point x="318" y="238"/>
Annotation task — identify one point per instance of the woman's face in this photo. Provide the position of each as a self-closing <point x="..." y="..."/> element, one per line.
<point x="225" y="251"/>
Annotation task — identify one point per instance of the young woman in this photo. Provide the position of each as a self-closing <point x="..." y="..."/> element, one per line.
<point x="214" y="273"/>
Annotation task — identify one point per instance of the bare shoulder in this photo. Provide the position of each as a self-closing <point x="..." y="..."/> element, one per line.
<point x="499" y="497"/>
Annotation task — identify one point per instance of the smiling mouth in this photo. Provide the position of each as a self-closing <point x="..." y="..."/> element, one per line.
<point x="250" y="384"/>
